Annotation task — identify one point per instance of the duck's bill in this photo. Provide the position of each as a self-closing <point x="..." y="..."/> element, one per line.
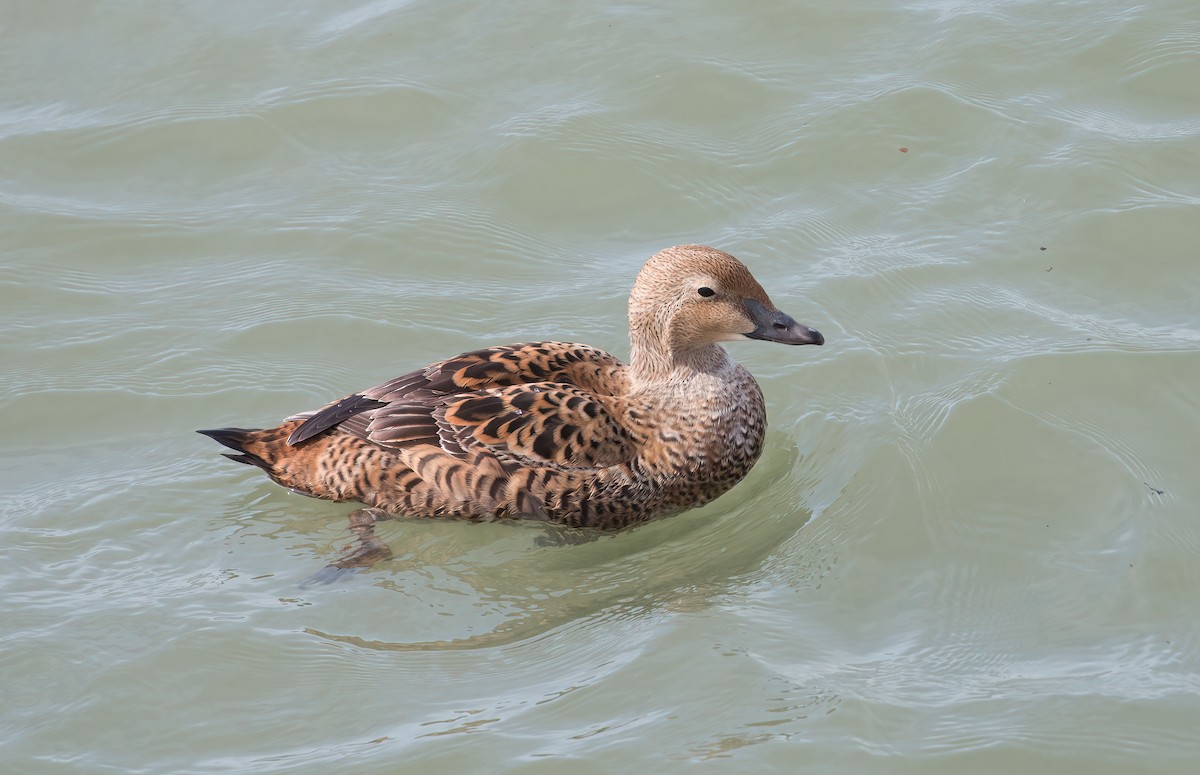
<point x="776" y="326"/>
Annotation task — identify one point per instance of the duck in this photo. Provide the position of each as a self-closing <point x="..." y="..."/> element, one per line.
<point x="551" y="431"/>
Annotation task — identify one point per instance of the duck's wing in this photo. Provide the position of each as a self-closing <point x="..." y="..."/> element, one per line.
<point x="392" y="413"/>
<point x="547" y="424"/>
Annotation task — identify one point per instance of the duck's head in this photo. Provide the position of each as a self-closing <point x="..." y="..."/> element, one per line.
<point x="688" y="298"/>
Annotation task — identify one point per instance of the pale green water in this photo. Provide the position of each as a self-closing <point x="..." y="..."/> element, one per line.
<point x="971" y="546"/>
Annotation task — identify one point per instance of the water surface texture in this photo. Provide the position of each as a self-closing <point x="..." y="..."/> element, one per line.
<point x="971" y="544"/>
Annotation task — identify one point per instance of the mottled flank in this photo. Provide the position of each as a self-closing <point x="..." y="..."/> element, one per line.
<point x="551" y="430"/>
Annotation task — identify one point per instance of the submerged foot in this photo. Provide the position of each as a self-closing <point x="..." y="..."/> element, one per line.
<point x="367" y="550"/>
<point x="560" y="535"/>
<point x="371" y="548"/>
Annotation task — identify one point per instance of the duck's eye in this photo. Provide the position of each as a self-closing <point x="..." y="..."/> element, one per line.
<point x="705" y="291"/>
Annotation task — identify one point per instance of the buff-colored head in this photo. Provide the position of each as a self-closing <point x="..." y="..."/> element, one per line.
<point x="688" y="298"/>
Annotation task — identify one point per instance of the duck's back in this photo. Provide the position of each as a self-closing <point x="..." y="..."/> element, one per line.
<point x="511" y="431"/>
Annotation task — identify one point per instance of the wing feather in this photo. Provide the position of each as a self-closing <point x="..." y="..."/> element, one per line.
<point x="548" y="424"/>
<point x="408" y="410"/>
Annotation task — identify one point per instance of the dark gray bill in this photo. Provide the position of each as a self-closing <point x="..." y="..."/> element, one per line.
<point x="776" y="326"/>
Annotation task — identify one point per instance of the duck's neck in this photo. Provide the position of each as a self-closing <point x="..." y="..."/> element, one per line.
<point x="653" y="360"/>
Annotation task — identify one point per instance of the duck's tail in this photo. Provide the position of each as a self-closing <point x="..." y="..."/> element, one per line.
<point x="334" y="466"/>
<point x="292" y="467"/>
<point x="244" y="441"/>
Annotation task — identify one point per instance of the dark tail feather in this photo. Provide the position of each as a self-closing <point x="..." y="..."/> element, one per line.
<point x="234" y="438"/>
<point x="237" y="438"/>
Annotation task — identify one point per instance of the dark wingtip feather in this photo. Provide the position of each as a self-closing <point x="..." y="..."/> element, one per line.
<point x="332" y="415"/>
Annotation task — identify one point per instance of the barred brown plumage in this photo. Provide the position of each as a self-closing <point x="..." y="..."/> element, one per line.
<point x="553" y="430"/>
